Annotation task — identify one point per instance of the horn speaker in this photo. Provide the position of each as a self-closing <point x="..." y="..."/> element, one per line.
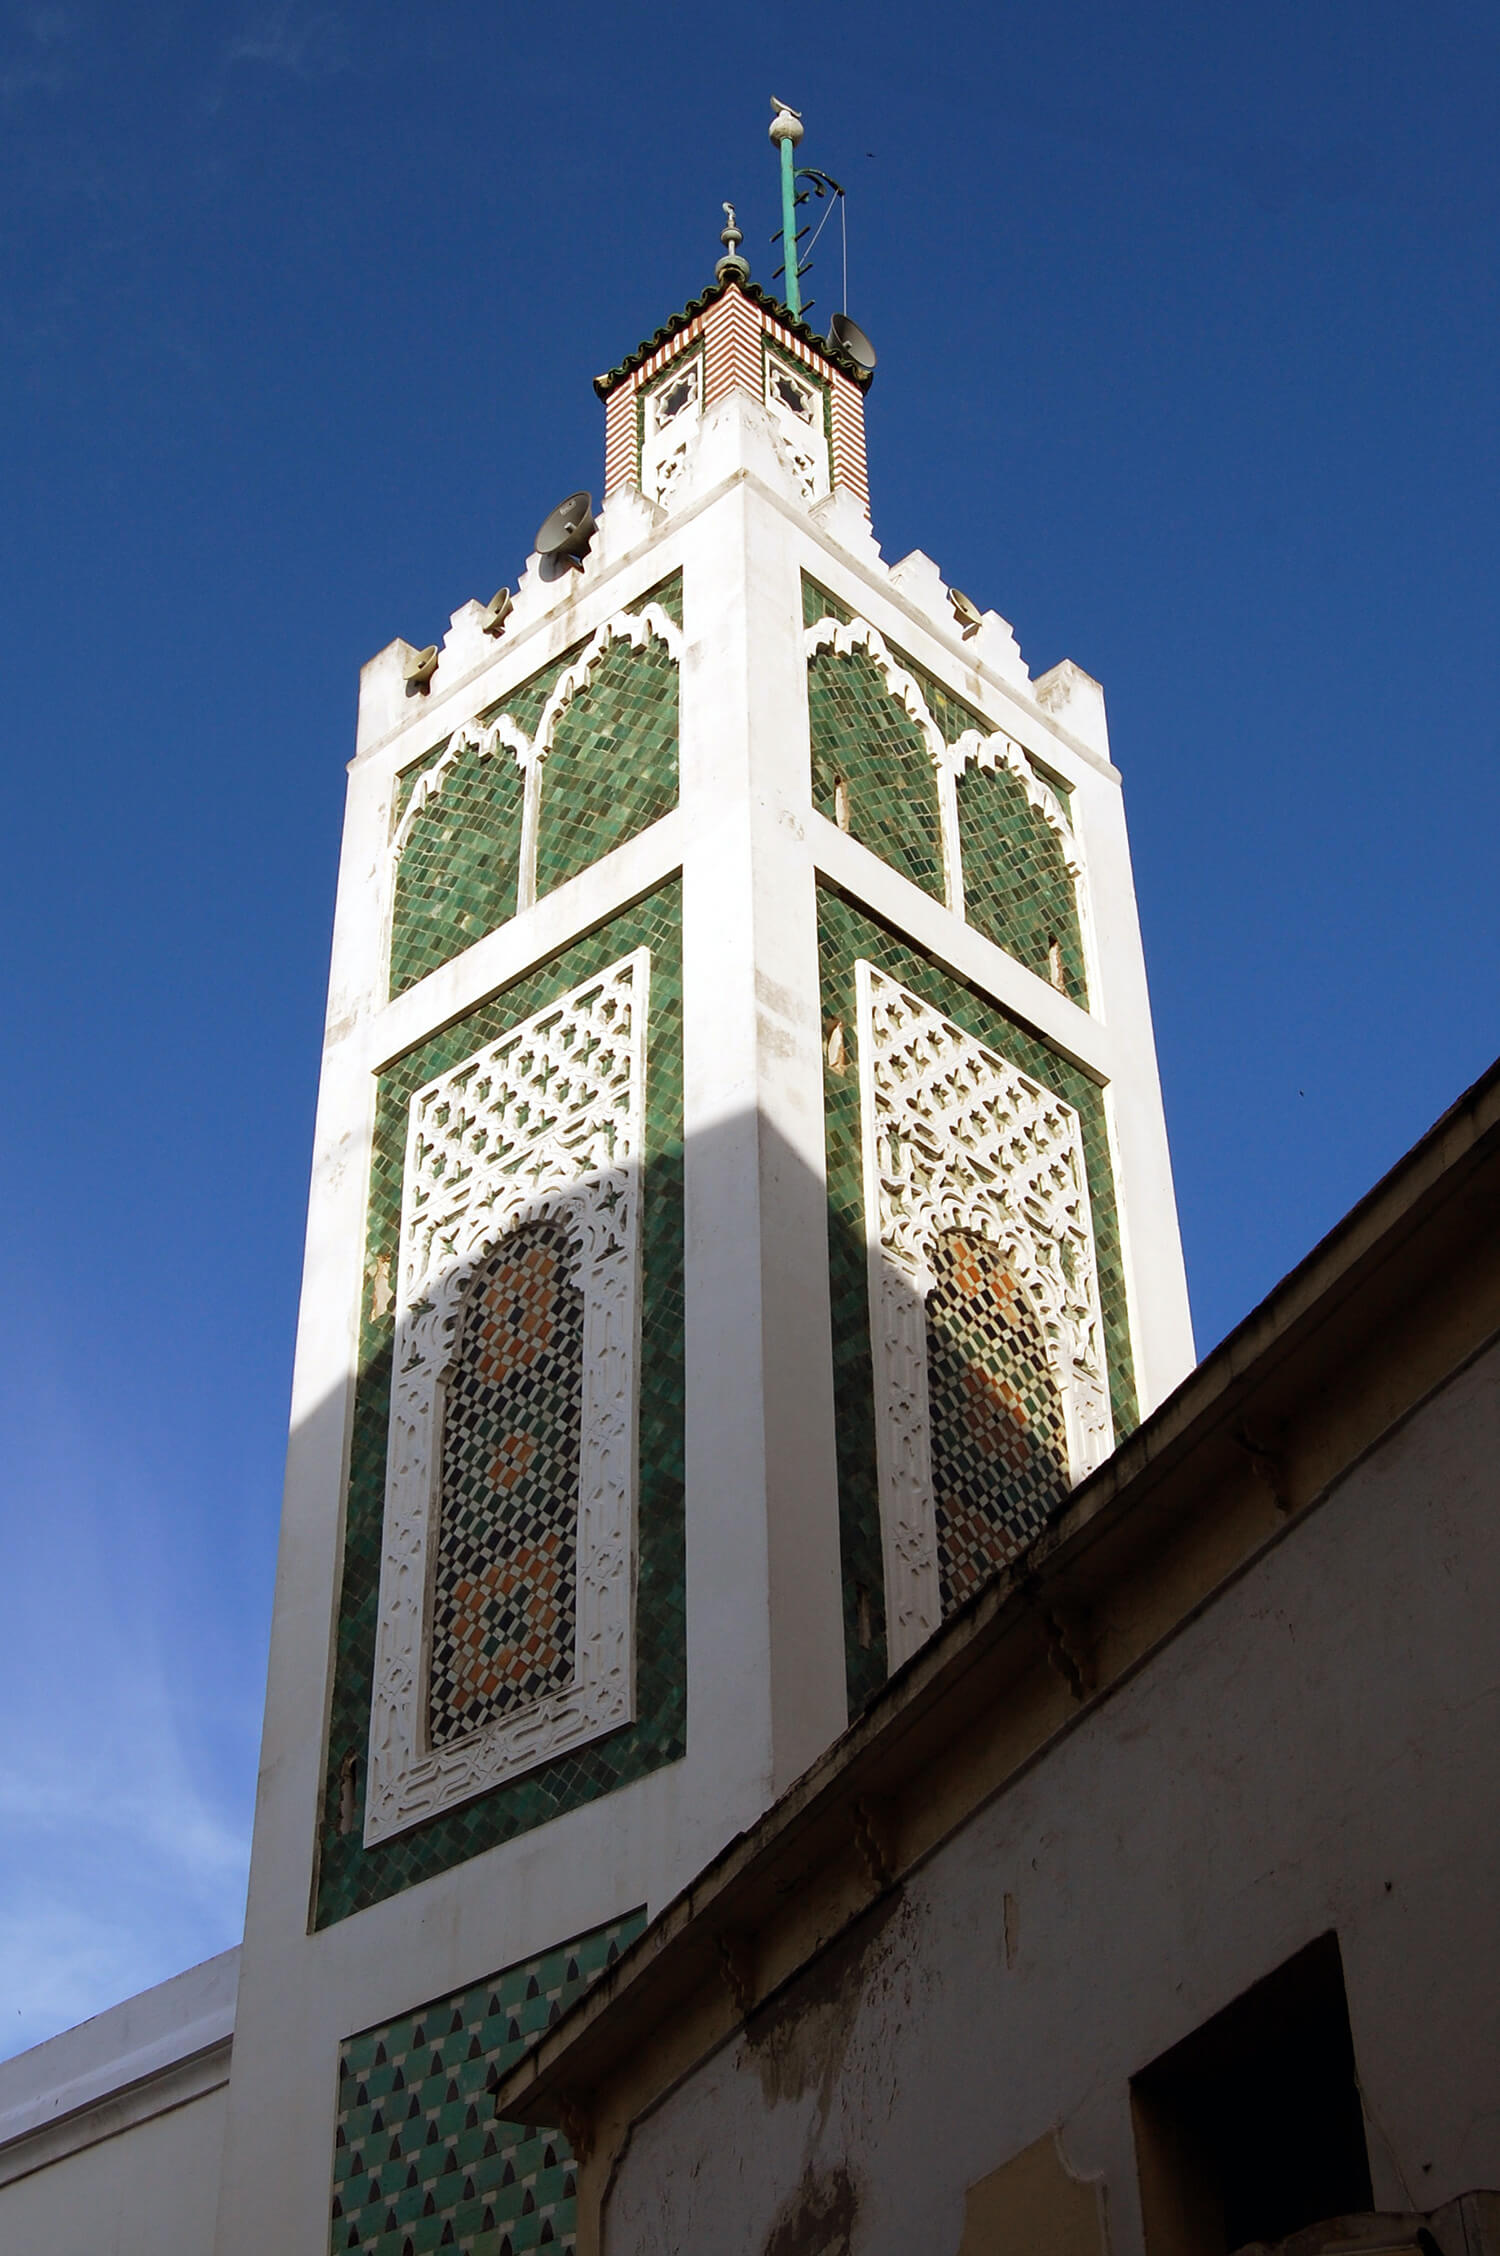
<point x="564" y="537"/>
<point x="851" y="340"/>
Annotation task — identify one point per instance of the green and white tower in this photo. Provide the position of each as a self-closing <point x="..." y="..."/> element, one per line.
<point x="741" y="1210"/>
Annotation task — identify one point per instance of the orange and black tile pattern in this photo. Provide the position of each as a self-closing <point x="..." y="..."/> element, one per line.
<point x="504" y="1603"/>
<point x="999" y="1445"/>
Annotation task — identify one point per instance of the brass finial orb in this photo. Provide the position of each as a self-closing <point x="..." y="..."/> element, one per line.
<point x="731" y="267"/>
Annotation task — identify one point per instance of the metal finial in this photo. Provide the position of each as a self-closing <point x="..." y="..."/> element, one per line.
<point x="786" y="132"/>
<point x="731" y="267"/>
<point x="786" y="123"/>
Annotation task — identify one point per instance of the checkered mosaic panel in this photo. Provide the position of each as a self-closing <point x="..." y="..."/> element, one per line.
<point x="999" y="1445"/>
<point x="504" y="1604"/>
<point x="420" y="2163"/>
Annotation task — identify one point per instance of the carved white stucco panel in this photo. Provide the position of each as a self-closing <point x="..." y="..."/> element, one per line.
<point x="954" y="1137"/>
<point x="670" y="413"/>
<point x="546" y="1122"/>
<point x="796" y="401"/>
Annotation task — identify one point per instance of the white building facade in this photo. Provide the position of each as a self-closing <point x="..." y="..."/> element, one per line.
<point x="741" y="1213"/>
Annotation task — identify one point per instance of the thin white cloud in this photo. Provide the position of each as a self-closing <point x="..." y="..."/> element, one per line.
<point x="125" y="1774"/>
<point x="309" y="43"/>
<point x="119" y="1866"/>
<point x="106" y="1897"/>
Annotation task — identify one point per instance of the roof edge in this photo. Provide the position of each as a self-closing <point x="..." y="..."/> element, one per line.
<point x="1427" y="1193"/>
<point x="835" y="356"/>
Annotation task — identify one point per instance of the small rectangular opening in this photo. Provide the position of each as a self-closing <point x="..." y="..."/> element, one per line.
<point x="1251" y="2128"/>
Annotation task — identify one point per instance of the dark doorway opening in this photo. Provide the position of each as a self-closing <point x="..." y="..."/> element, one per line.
<point x="1251" y="2128"/>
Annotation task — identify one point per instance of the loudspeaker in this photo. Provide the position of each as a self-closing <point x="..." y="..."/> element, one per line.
<point x="851" y="340"/>
<point x="566" y="534"/>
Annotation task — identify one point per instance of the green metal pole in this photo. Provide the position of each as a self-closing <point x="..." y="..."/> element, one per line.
<point x="789" y="224"/>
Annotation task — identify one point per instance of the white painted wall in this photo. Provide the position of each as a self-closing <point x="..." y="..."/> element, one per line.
<point x="111" y="2134"/>
<point x="150" y="2191"/>
<point x="1316" y="1750"/>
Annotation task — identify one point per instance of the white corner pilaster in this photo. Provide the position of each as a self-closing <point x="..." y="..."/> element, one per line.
<point x="765" y="1638"/>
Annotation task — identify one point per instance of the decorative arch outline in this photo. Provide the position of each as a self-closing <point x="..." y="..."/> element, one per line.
<point x="530" y="751"/>
<point x="996" y="749"/>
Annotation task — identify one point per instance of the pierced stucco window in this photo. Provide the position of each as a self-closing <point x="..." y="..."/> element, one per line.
<point x="799" y="407"/>
<point x="505" y="1632"/>
<point x="991" y="1394"/>
<point x="670" y="412"/>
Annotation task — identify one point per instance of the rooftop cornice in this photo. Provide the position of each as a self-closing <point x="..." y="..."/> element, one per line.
<point x="752" y="292"/>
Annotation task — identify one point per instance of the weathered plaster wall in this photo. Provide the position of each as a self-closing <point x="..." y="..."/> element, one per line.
<point x="111" y="2134"/>
<point x="149" y="2191"/>
<point x="1315" y="1750"/>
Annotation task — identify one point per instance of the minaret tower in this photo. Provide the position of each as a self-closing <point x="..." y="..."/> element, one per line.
<point x="740" y="1212"/>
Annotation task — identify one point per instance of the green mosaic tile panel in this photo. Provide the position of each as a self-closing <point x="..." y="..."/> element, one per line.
<point x="524" y="704"/>
<point x="351" y="1876"/>
<point x="952" y="715"/>
<point x="409" y="778"/>
<point x="456" y="879"/>
<point x="1018" y="889"/>
<point x="668" y="593"/>
<point x="845" y="933"/>
<point x="861" y="738"/>
<point x="612" y="769"/>
<point x="818" y="604"/>
<point x="419" y="2160"/>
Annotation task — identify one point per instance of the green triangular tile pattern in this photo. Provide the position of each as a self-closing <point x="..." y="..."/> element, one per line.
<point x="420" y="2162"/>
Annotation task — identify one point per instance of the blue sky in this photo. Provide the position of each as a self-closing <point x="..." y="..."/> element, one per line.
<point x="1186" y="322"/>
